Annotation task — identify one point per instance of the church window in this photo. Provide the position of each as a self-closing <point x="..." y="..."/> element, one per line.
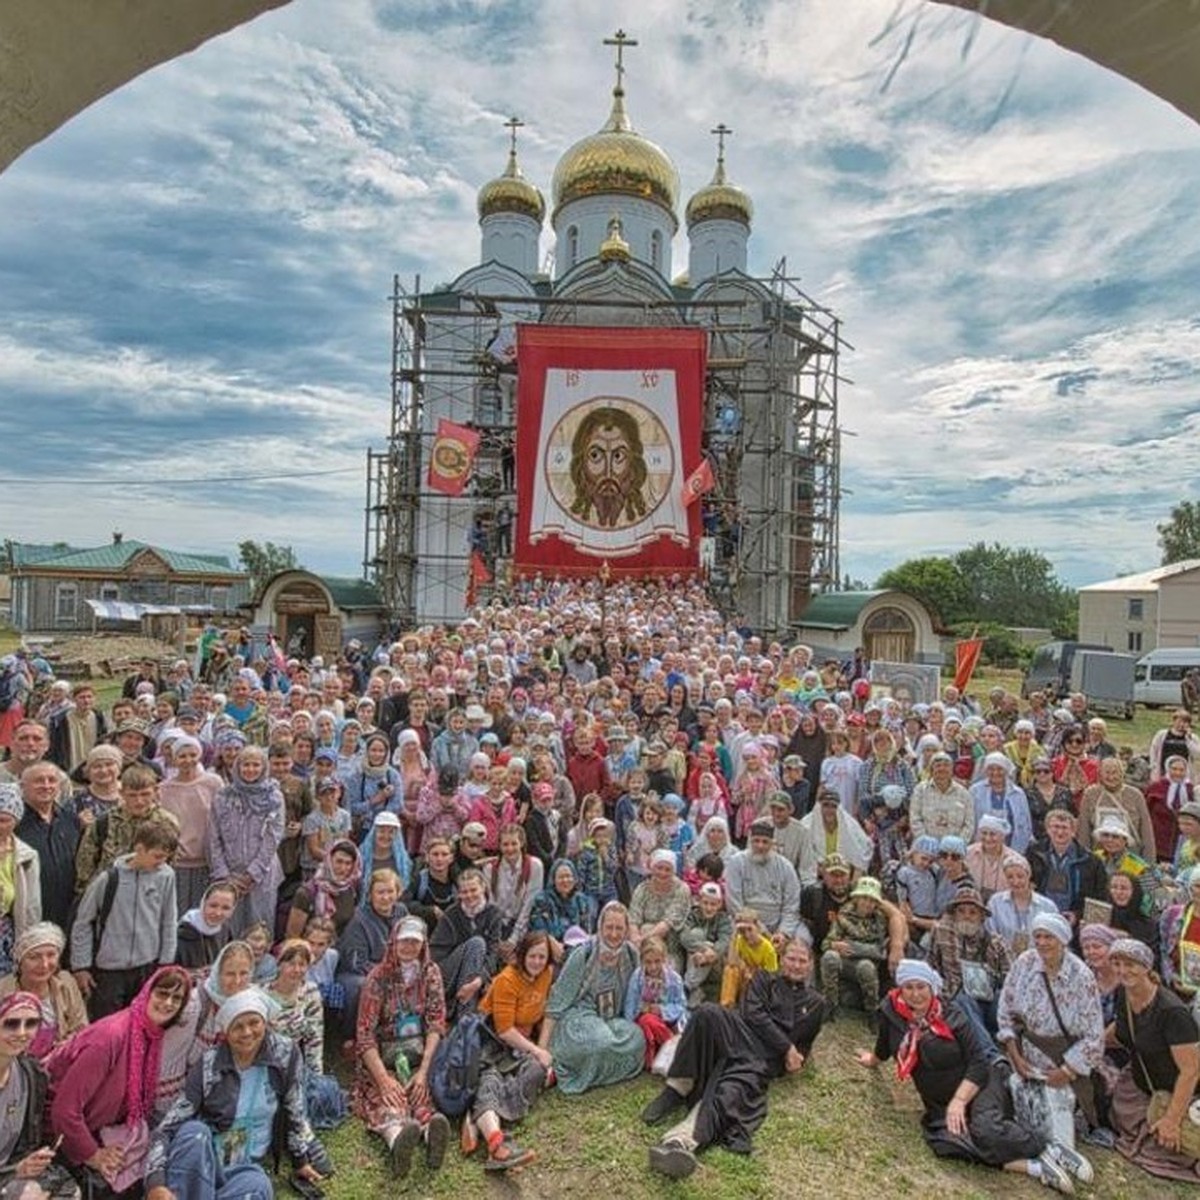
<point x="656" y="250"/>
<point x="572" y="245"/>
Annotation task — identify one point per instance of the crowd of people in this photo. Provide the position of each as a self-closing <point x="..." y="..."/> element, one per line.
<point x="595" y="831"/>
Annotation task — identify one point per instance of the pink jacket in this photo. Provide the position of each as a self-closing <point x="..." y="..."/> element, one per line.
<point x="492" y="818"/>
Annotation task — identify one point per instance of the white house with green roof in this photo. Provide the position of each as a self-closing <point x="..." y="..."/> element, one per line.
<point x="891" y="626"/>
<point x="53" y="584"/>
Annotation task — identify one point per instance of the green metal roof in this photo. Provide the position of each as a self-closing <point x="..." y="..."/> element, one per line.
<point x="352" y="593"/>
<point x="836" y="610"/>
<point x="115" y="557"/>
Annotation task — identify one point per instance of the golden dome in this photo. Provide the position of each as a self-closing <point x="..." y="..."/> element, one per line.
<point x="616" y="160"/>
<point x="614" y="248"/>
<point x="720" y="200"/>
<point x="511" y="193"/>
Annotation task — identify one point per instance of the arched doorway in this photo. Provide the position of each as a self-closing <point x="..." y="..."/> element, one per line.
<point x="304" y="624"/>
<point x="889" y="635"/>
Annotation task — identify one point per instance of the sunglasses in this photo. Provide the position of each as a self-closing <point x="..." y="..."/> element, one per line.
<point x="1074" y="741"/>
<point x="948" y="854"/>
<point x="21" y="1025"/>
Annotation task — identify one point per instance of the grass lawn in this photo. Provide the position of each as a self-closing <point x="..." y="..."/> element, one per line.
<point x="836" y="1132"/>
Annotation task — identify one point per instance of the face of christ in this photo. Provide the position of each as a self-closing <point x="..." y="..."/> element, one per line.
<point x="608" y="469"/>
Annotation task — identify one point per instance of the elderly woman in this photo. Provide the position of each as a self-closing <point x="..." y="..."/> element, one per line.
<point x="401" y="1019"/>
<point x="20" y="877"/>
<point x="714" y="840"/>
<point x="1045" y="793"/>
<point x="1051" y="1025"/>
<point x="997" y="795"/>
<point x="37" y="955"/>
<point x="246" y="829"/>
<point x="1113" y="797"/>
<point x="1156" y="1092"/>
<point x="1095" y="945"/>
<point x="27" y="1167"/>
<point x="108" y="1074"/>
<point x="968" y="1111"/>
<point x="591" y="1043"/>
<point x="102" y="770"/>
<point x="726" y="1059"/>
<point x="660" y="906"/>
<point x="987" y="857"/>
<point x="375" y="786"/>
<point x="211" y="1144"/>
<point x="1011" y="911"/>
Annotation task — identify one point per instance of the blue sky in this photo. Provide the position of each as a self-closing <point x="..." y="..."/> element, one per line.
<point x="194" y="271"/>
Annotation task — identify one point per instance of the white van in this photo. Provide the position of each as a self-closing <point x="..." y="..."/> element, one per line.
<point x="1157" y="676"/>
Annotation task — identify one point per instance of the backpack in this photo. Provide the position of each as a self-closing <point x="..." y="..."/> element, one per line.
<point x="457" y="1062"/>
<point x="111" y="882"/>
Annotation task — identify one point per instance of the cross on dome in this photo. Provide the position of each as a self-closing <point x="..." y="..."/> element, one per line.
<point x="620" y="39"/>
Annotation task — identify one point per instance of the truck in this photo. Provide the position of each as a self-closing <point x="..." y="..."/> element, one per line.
<point x="1106" y="679"/>
<point x="1052" y="668"/>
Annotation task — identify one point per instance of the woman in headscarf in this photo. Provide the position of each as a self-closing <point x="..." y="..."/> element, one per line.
<point x="20" y="877"/>
<point x="247" y="827"/>
<point x="590" y="1041"/>
<point x="375" y="786"/>
<point x="107" y="1076"/>
<point x="188" y="794"/>
<point x="204" y="930"/>
<point x="1128" y="896"/>
<point x="222" y="1126"/>
<point x="384" y="847"/>
<point x="1051" y="1025"/>
<point x="401" y="1019"/>
<point x="27" y="1167"/>
<point x="810" y="743"/>
<point x="516" y="1003"/>
<point x="37" y="957"/>
<point x="1095" y="943"/>
<point x="228" y="742"/>
<point x="968" y="1112"/>
<point x="660" y="906"/>
<point x="364" y="941"/>
<point x="332" y="892"/>
<point x="1157" y="1089"/>
<point x="300" y="1015"/>
<point x="232" y="972"/>
<point x="714" y="840"/>
<point x="560" y="906"/>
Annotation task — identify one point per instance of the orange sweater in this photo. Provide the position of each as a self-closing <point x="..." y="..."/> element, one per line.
<point x="515" y="999"/>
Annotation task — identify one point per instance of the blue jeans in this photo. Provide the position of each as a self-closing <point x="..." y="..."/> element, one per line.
<point x="194" y="1173"/>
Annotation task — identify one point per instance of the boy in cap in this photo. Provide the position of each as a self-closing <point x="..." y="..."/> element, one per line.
<point x="856" y="947"/>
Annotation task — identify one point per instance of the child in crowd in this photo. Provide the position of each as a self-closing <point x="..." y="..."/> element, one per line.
<point x="654" y="1000"/>
<point x="258" y="938"/>
<point x="597" y="864"/>
<point x="645" y="835"/>
<point x="706" y="937"/>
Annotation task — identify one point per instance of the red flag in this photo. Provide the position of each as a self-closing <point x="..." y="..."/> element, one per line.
<point x="966" y="659"/>
<point x="452" y="457"/>
<point x="698" y="482"/>
<point x="477" y="575"/>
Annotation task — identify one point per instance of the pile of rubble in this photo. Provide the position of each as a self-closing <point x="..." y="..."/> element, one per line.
<point x="98" y="655"/>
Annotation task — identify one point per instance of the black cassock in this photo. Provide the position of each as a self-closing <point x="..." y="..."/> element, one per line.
<point x="731" y="1056"/>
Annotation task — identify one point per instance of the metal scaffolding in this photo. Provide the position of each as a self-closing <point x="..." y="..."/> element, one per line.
<point x="770" y="430"/>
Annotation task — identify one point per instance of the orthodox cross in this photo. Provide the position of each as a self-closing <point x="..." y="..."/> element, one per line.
<point x="620" y="39"/>
<point x="722" y="131"/>
<point x="512" y="125"/>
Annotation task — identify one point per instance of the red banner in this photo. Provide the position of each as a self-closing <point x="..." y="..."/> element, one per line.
<point x="452" y="457"/>
<point x="608" y="432"/>
<point x="966" y="659"/>
<point x="698" y="482"/>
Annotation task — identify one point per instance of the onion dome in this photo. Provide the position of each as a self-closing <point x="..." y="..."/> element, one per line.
<point x="720" y="200"/>
<point x="511" y="193"/>
<point x="617" y="160"/>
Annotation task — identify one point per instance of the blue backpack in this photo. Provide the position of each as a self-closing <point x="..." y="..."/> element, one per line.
<point x="457" y="1062"/>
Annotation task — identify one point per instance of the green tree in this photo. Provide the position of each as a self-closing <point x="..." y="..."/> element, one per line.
<point x="1015" y="587"/>
<point x="1180" y="536"/>
<point x="937" y="582"/>
<point x="261" y="561"/>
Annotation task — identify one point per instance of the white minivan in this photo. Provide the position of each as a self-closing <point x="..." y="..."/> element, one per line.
<point x="1157" y="676"/>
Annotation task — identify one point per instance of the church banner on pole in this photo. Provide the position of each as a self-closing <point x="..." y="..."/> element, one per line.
<point x="608" y="432"/>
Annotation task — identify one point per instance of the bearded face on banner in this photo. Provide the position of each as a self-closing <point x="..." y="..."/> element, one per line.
<point x="608" y="469"/>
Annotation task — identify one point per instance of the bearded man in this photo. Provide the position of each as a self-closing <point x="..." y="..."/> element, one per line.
<point x="608" y="468"/>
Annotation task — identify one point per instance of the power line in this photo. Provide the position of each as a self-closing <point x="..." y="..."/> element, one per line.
<point x="92" y="481"/>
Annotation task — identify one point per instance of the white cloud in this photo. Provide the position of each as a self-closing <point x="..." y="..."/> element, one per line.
<point x="222" y="235"/>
